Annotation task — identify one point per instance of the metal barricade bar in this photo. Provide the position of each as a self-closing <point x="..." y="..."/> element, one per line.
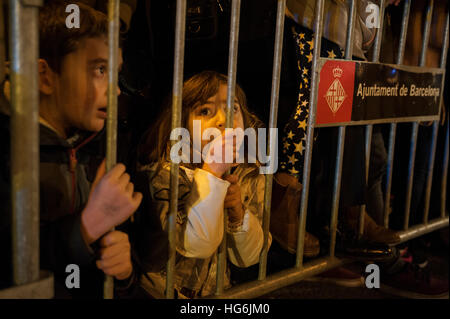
<point x="111" y="120"/>
<point x="272" y="124"/>
<point x="400" y="56"/>
<point x="318" y="28"/>
<point x="415" y="125"/>
<point x="391" y="149"/>
<point x="176" y="122"/>
<point x="413" y="145"/>
<point x="430" y="171"/>
<point x="341" y="137"/>
<point x="435" y="132"/>
<point x="423" y="59"/>
<point x="444" y="173"/>
<point x="419" y="230"/>
<point x="231" y="86"/>
<point x="446" y="147"/>
<point x="284" y="278"/>
<point x="2" y="43"/>
<point x="24" y="39"/>
<point x="369" y="128"/>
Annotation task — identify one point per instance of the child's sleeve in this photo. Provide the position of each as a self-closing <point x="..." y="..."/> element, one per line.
<point x="199" y="220"/>
<point x="245" y="244"/>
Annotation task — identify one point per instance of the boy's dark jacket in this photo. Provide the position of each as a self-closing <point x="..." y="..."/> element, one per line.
<point x="61" y="242"/>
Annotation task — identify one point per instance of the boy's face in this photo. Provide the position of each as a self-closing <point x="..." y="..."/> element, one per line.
<point x="82" y="85"/>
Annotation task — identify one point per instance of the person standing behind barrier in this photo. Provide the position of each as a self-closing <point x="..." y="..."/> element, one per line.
<point x="76" y="216"/>
<point x="205" y="190"/>
<point x="353" y="191"/>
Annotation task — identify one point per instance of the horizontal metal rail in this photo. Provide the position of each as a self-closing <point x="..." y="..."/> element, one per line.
<point x="419" y="230"/>
<point x="284" y="278"/>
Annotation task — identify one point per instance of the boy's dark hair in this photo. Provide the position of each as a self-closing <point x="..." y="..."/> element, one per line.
<point x="56" y="40"/>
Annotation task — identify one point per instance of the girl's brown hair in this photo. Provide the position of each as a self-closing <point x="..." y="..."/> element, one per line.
<point x="155" y="145"/>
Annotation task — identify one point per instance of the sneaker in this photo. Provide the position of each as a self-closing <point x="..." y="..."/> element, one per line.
<point x="414" y="282"/>
<point x="339" y="276"/>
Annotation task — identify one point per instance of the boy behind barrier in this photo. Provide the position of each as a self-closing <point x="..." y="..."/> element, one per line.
<point x="76" y="216"/>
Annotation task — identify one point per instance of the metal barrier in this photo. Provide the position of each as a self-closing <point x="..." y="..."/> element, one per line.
<point x="266" y="284"/>
<point x="25" y="161"/>
<point x="28" y="280"/>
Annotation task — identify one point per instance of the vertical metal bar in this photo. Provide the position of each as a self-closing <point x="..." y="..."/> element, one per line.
<point x="318" y="28"/>
<point x="415" y="125"/>
<point x="435" y="131"/>
<point x="379" y="37"/>
<point x="24" y="52"/>
<point x="402" y="42"/>
<point x="341" y="137"/>
<point x="445" y="173"/>
<point x="430" y="171"/>
<point x="272" y="123"/>
<point x="337" y="189"/>
<point x="177" y="95"/>
<point x="413" y="145"/>
<point x="426" y="33"/>
<point x="389" y="168"/>
<point x="369" y="128"/>
<point x="2" y="43"/>
<point x="400" y="56"/>
<point x="111" y="121"/>
<point x="393" y="128"/>
<point x="422" y="63"/>
<point x="445" y="43"/>
<point x="231" y="86"/>
<point x="368" y="142"/>
<point x="232" y="59"/>
<point x="444" y="185"/>
<point x="350" y="30"/>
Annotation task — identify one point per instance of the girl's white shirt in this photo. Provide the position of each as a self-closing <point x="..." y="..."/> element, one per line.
<point x="204" y="227"/>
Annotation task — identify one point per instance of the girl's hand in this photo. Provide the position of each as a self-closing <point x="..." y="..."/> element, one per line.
<point x="215" y="160"/>
<point x="233" y="200"/>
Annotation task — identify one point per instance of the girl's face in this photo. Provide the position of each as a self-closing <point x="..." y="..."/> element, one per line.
<point x="212" y="114"/>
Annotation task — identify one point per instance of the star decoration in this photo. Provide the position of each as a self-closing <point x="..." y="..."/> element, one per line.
<point x="299" y="147"/>
<point x="302" y="124"/>
<point x="292" y="159"/>
<point x="331" y="54"/>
